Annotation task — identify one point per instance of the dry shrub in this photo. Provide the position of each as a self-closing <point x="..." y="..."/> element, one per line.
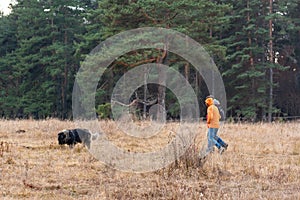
<point x="296" y="148"/>
<point x="4" y="147"/>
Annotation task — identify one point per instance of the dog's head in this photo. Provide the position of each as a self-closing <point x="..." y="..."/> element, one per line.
<point x="64" y="137"/>
<point x="61" y="138"/>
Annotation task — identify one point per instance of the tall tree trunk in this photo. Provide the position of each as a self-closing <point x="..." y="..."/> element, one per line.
<point x="161" y="87"/>
<point x="65" y="79"/>
<point x="187" y="72"/>
<point x="251" y="59"/>
<point x="271" y="61"/>
<point x="145" y="93"/>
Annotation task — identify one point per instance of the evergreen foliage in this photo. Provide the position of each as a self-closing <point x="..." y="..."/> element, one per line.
<point x="43" y="43"/>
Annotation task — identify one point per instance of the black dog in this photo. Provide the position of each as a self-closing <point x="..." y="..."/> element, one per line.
<point x="74" y="136"/>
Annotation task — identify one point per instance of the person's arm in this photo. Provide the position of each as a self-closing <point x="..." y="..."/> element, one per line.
<point x="209" y="115"/>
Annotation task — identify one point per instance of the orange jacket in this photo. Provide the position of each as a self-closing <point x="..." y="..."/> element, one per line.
<point x="213" y="115"/>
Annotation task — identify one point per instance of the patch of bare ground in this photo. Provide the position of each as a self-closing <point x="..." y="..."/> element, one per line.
<point x="262" y="162"/>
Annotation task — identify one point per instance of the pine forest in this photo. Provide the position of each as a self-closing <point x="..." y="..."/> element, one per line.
<point x="255" y="45"/>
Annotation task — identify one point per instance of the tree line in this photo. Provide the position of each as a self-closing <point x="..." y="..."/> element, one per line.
<point x="255" y="45"/>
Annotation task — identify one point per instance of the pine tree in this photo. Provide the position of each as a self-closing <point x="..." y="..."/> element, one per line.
<point x="247" y="42"/>
<point x="202" y="20"/>
<point x="8" y="44"/>
<point x="286" y="53"/>
<point x="43" y="65"/>
<point x="255" y="44"/>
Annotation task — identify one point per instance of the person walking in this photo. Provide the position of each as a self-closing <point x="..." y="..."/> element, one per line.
<point x="213" y="124"/>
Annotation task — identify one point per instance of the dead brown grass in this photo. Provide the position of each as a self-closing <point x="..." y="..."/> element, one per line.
<point x="262" y="162"/>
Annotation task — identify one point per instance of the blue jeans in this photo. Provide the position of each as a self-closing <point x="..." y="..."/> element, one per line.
<point x="213" y="139"/>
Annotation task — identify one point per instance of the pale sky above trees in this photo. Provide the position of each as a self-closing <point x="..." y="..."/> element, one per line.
<point x="4" y="6"/>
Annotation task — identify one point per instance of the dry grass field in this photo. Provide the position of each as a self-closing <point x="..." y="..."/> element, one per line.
<point x="262" y="162"/>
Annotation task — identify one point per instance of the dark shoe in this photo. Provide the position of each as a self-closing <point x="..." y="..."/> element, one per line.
<point x="225" y="146"/>
<point x="221" y="150"/>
